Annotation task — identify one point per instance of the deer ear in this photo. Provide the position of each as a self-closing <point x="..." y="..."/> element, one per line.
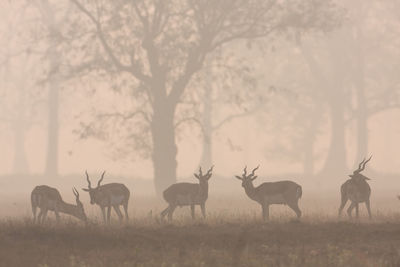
<point x="238" y="177"/>
<point x="208" y="178"/>
<point x="254" y="178"/>
<point x="195" y="175"/>
<point x="86" y="190"/>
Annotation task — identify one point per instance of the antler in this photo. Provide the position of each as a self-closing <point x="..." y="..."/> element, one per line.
<point x="245" y="171"/>
<point x="210" y="170"/>
<point x="87" y="178"/>
<point x="76" y="193"/>
<point x="253" y="171"/>
<point x="101" y="179"/>
<point x="362" y="164"/>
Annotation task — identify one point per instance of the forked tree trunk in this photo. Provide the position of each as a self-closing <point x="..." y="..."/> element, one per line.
<point x="164" y="146"/>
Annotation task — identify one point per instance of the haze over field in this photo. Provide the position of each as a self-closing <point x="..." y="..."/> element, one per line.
<point x="307" y="91"/>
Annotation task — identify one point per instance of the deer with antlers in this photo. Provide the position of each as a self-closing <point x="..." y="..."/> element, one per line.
<point x="281" y="192"/>
<point x="357" y="190"/>
<point x="107" y="196"/>
<point x="188" y="194"/>
<point x="47" y="198"/>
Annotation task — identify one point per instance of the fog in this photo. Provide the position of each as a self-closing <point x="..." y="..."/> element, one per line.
<point x="153" y="90"/>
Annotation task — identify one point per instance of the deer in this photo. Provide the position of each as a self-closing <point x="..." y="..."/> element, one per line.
<point x="268" y="193"/>
<point x="357" y="190"/>
<point x="47" y="198"/>
<point x="188" y="194"/>
<point x="107" y="196"/>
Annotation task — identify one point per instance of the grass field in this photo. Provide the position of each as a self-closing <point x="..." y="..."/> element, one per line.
<point x="231" y="235"/>
<point x="201" y="243"/>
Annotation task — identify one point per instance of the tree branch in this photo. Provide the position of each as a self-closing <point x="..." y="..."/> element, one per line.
<point x="123" y="116"/>
<point x="130" y="69"/>
<point x="235" y="116"/>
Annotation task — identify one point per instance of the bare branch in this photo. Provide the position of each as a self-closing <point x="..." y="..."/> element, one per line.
<point x="131" y="69"/>
<point x="125" y="117"/>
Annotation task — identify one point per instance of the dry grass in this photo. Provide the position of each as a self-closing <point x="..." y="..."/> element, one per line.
<point x="216" y="241"/>
<point x="232" y="235"/>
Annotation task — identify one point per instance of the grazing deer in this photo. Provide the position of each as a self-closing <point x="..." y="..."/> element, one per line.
<point x="188" y="194"/>
<point x="107" y="196"/>
<point x="282" y="192"/>
<point x="356" y="190"/>
<point x="47" y="198"/>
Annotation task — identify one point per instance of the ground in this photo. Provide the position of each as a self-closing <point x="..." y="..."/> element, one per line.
<point x="213" y="242"/>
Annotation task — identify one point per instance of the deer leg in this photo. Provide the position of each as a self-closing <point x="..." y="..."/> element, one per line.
<point x="295" y="208"/>
<point x="44" y="215"/>
<point x="118" y="211"/>
<point x="192" y="210"/>
<point x="342" y="204"/>
<point x="125" y="205"/>
<point x="57" y="214"/>
<point x="34" y="209"/>
<point x="109" y="214"/>
<point x="265" y="211"/>
<point x="39" y="218"/>
<point x="203" y="209"/>
<point x="367" y="204"/>
<point x="164" y="212"/>
<point x="350" y="209"/>
<point x="357" y="210"/>
<point x="103" y="212"/>
<point x="171" y="212"/>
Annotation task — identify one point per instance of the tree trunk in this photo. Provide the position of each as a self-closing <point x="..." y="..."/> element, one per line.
<point x="164" y="146"/>
<point x="359" y="82"/>
<point x="335" y="163"/>
<point x="53" y="111"/>
<point x="20" y="160"/>
<point x="206" y="158"/>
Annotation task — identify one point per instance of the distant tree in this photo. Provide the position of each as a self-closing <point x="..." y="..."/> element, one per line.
<point x="161" y="46"/>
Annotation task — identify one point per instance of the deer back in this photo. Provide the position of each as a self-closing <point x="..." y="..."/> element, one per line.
<point x="44" y="196"/>
<point x="182" y="194"/>
<point x="112" y="193"/>
<point x="280" y="192"/>
<point x="357" y="190"/>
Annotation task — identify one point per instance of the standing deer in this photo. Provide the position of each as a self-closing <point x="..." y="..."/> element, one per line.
<point x="47" y="198"/>
<point x="188" y="194"/>
<point x="107" y="196"/>
<point x="357" y="190"/>
<point x="282" y="192"/>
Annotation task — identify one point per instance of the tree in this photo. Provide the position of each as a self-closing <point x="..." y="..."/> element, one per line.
<point x="162" y="45"/>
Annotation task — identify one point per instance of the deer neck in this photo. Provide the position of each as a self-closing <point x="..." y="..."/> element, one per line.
<point x="68" y="208"/>
<point x="250" y="191"/>
<point x="203" y="190"/>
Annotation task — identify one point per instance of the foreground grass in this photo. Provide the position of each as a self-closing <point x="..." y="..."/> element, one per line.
<point x="236" y="243"/>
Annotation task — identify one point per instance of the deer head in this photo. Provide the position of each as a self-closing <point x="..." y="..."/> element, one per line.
<point x="80" y="211"/>
<point x="203" y="178"/>
<point x="92" y="191"/>
<point x="247" y="179"/>
<point x="357" y="173"/>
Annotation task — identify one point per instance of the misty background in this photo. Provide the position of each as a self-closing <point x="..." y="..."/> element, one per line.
<point x="150" y="90"/>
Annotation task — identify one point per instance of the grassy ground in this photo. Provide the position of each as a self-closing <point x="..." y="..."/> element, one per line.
<point x="213" y="242"/>
<point x="232" y="235"/>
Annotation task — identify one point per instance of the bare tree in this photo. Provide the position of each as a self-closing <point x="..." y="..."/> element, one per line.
<point x="163" y="45"/>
